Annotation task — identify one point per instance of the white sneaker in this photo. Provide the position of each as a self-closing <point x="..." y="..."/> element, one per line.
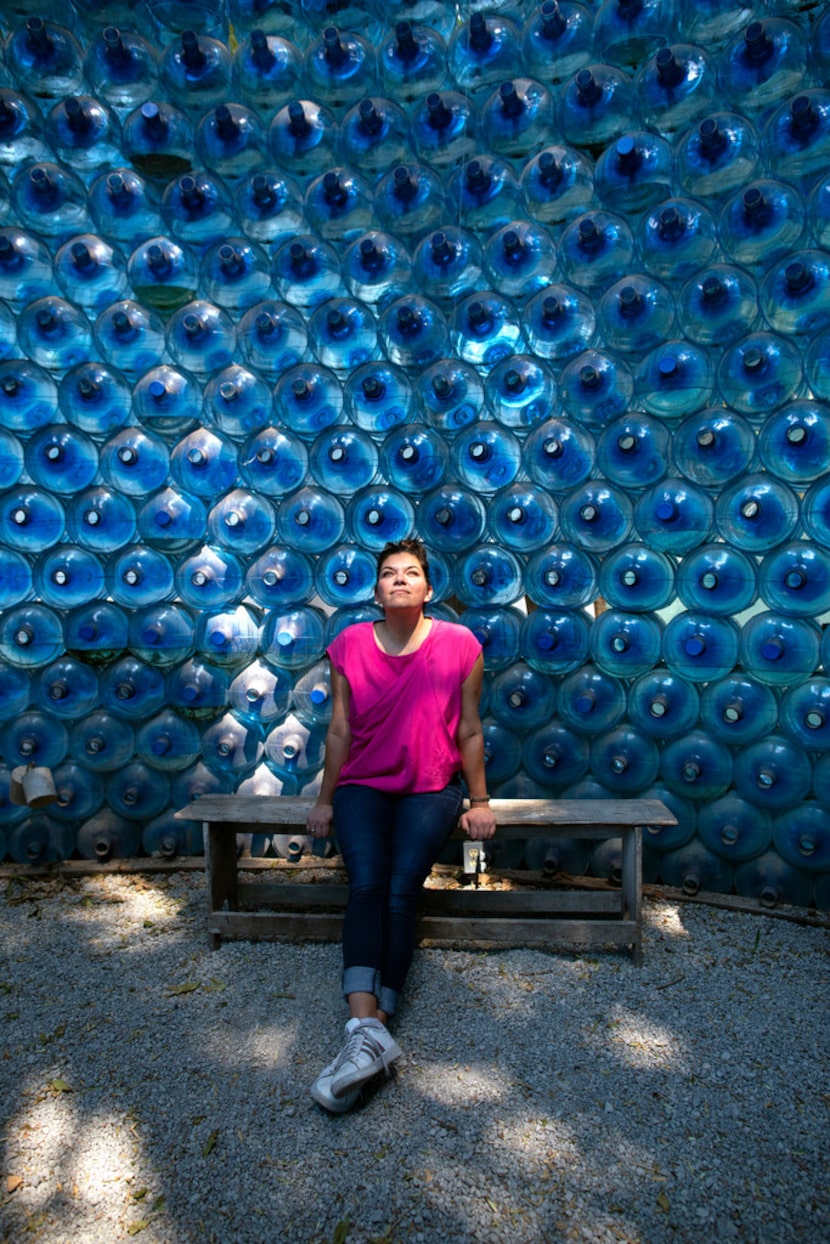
<point x="322" y="1094"/>
<point x="368" y="1049"/>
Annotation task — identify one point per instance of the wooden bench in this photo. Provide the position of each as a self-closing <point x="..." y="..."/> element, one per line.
<point x="525" y="917"/>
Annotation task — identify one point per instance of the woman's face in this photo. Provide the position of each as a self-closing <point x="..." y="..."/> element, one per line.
<point x="402" y="583"/>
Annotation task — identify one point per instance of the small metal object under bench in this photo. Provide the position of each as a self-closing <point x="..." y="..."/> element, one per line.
<point x="312" y="911"/>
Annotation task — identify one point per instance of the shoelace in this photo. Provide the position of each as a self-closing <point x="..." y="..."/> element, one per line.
<point x="362" y="1041"/>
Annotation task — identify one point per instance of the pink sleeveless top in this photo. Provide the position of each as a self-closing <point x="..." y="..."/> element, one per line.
<point x="404" y="710"/>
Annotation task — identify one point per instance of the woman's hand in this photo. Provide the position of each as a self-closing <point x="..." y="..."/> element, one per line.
<point x="478" y="823"/>
<point x="319" y="820"/>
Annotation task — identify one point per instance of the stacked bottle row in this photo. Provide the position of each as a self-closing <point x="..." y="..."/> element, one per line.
<point x="226" y="382"/>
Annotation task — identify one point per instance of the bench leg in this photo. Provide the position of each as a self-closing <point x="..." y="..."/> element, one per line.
<point x="220" y="866"/>
<point x="632" y="886"/>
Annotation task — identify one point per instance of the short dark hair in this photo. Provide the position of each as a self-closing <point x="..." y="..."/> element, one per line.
<point x="410" y="545"/>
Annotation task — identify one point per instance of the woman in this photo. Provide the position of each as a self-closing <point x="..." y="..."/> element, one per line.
<point x="404" y="727"/>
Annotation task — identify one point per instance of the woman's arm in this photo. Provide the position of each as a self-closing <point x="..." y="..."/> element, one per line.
<point x="338" y="742"/>
<point x="479" y="822"/>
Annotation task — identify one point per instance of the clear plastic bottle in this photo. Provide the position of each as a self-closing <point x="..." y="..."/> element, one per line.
<point x="379" y="396"/>
<point x="761" y="224"/>
<point x="520" y="392"/>
<point x="308" y="398"/>
<point x="343" y="460"/>
<point x="717" y="579"/>
<point x="795" y="579"/>
<point x="414" y="458"/>
<point x="97" y="633"/>
<point x="204" y="462"/>
<point x="484" y="193"/>
<point x="237" y="402"/>
<point x="627" y="31"/>
<point x="519" y="260"/>
<point x="84" y="134"/>
<point x="68" y="576"/>
<point x="21" y="130"/>
<point x="54" y="334"/>
<point x="554" y="642"/>
<point x="410" y="199"/>
<point x="377" y="515"/>
<point x="552" y="756"/>
<point x="412" y="61"/>
<point x="738" y="710"/>
<point x="101" y="520"/>
<point x="559" y="322"/>
<point x="675" y="88"/>
<point x="306" y="272"/>
<point x="123" y="208"/>
<point x="451" y="393"/>
<point x="634" y="173"/>
<point x="121" y="68"/>
<point x="773" y="774"/>
<point x="662" y="705"/>
<point x="339" y="67"/>
<point x="196" y="71"/>
<point x="374" y="135"/>
<point x="447" y="265"/>
<point x="557" y="184"/>
<point x="162" y="274"/>
<point x="486" y="328"/>
<point x="168" y="401"/>
<point x="633" y="451"/>
<point x="452" y="518"/>
<point x="172" y="520"/>
<point x="157" y="140"/>
<point x="596" y="516"/>
<point x="47" y="59"/>
<point x="759" y="373"/>
<point x="376" y="268"/>
<point x="795" y="293"/>
<point x="134" y="462"/>
<point x="804" y="714"/>
<point x="595" y="107"/>
<point x="794" y="443"/>
<point x="516" y="119"/>
<point x="444" y="129"/>
<point x="483" y="51"/>
<point x="762" y="64"/>
<point x="25" y="268"/>
<point x="209" y="578"/>
<point x="266" y="70"/>
<point x="269" y="207"/>
<point x="561" y="577"/>
<point x="594" y="248"/>
<point x="279" y="579"/>
<point x="757" y="511"/>
<point x="486" y="457"/>
<point x="717" y="156"/>
<point x="522" y="518"/>
<point x="634" y="314"/>
<point x="91" y="273"/>
<point x="414" y="331"/>
<point x="201" y="337"/>
<point x="51" y="201"/>
<point x="302" y="138"/>
<point x="235" y="276"/>
<point x="338" y="205"/>
<point x="675" y="379"/>
<point x="595" y="387"/>
<point x="557" y="40"/>
<point x="559" y="454"/>
<point x="699" y="647"/>
<point x="637" y="578"/>
<point x="231" y="142"/>
<point x="718" y="305"/>
<point x="778" y="649"/>
<point x="708" y="22"/>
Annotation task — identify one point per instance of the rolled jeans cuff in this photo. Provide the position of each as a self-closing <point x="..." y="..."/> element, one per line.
<point x="361" y="980"/>
<point x="387" y="1000"/>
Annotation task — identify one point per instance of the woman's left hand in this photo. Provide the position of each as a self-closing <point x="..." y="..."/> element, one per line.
<point x="478" y="823"/>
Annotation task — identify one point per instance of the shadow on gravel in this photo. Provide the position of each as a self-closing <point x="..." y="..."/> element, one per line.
<point x="154" y="1089"/>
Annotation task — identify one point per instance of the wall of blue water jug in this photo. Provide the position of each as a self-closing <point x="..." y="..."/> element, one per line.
<point x="547" y="284"/>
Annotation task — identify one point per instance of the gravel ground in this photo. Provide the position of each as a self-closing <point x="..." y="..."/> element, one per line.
<point x="152" y="1088"/>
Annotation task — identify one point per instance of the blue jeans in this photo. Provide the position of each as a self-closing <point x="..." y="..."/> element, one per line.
<point x="389" y="843"/>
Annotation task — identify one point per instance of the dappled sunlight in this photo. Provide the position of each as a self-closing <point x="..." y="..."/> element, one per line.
<point x="640" y="1042"/>
<point x="268" y="1047"/>
<point x="460" y="1084"/>
<point x="665" y="918"/>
